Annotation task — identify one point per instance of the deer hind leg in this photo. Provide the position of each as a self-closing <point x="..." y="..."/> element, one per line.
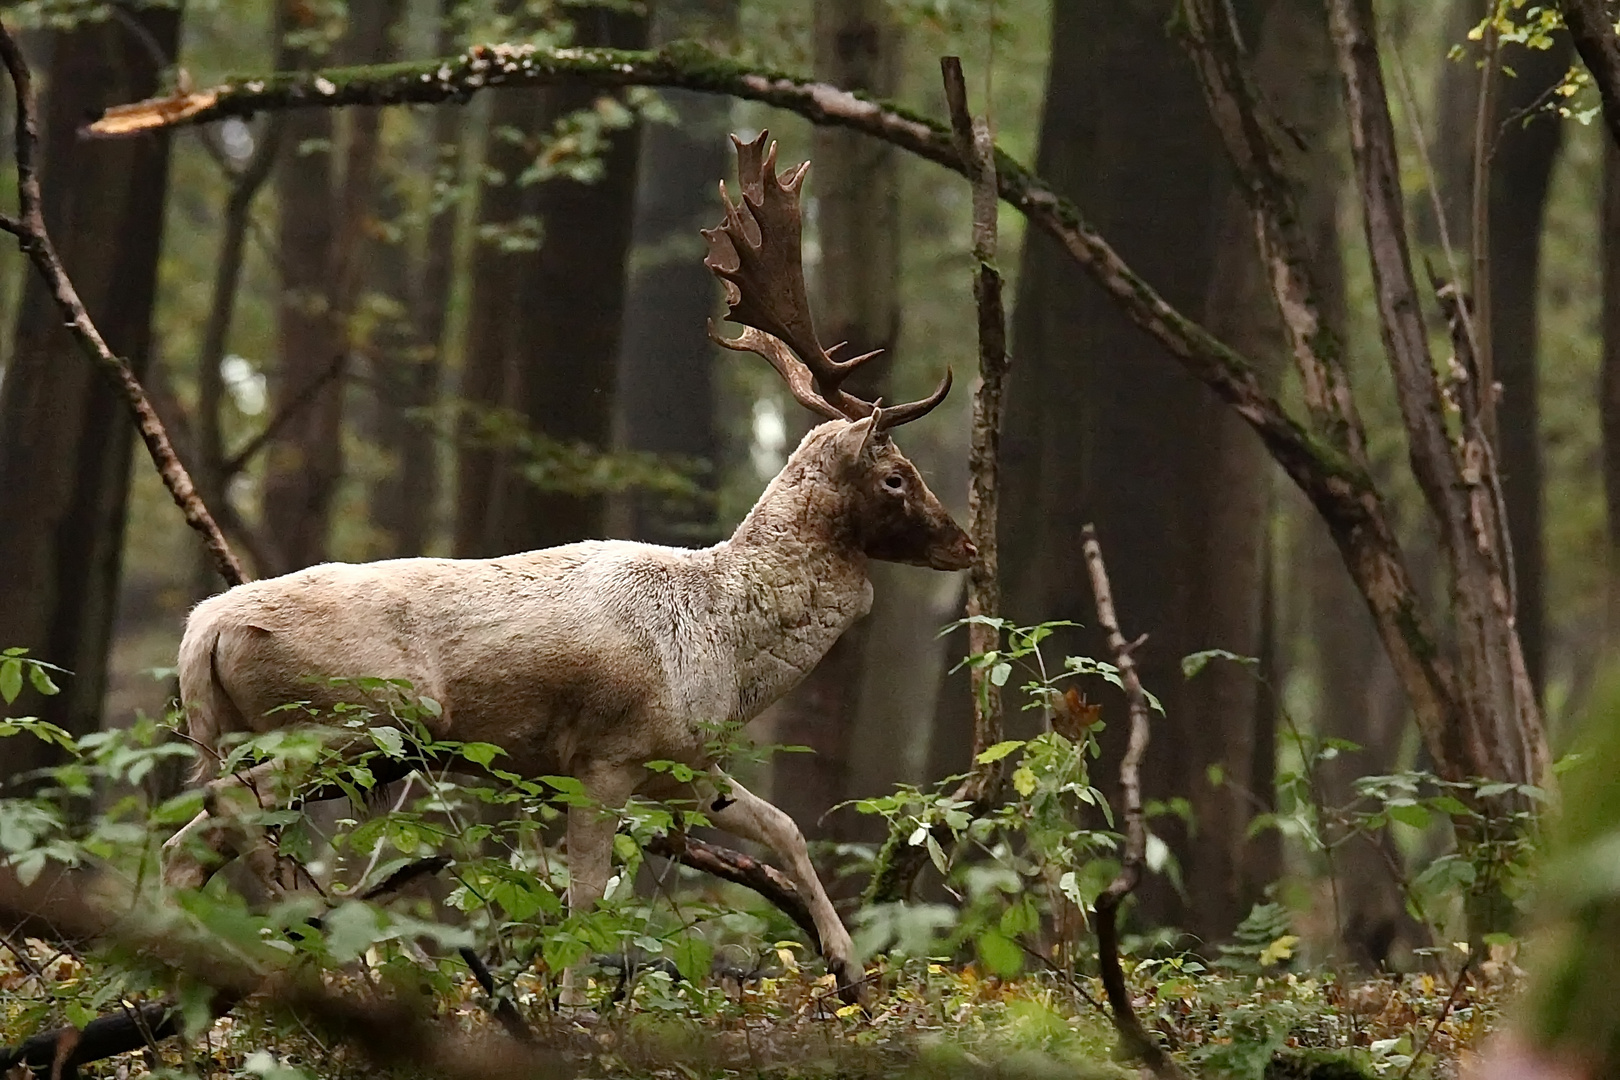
<point x="225" y="830"/>
<point x="739" y="811"/>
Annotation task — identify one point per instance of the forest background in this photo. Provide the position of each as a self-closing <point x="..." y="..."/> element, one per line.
<point x="479" y="328"/>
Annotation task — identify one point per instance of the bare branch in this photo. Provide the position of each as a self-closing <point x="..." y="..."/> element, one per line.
<point x="1137" y="1039"/>
<point x="35" y="242"/>
<point x="740" y="869"/>
<point x="1490" y="721"/>
<point x="288" y="412"/>
<point x="692" y="67"/>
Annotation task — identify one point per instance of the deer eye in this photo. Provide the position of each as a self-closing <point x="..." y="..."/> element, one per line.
<point x="894" y="481"/>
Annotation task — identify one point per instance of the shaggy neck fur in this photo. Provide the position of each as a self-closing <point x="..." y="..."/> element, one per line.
<point x="801" y="577"/>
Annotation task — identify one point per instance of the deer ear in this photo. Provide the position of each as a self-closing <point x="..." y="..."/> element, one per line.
<point x="851" y="444"/>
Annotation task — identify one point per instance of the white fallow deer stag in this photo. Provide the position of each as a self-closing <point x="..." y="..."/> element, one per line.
<point x="590" y="659"/>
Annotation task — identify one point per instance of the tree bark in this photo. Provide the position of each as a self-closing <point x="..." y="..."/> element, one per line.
<point x="856" y="286"/>
<point x="305" y="461"/>
<point x="496" y="267"/>
<point x="412" y="274"/>
<point x="1483" y="719"/>
<point x="1523" y="150"/>
<point x="666" y="401"/>
<point x="65" y="440"/>
<point x="1099" y="416"/>
<point x="554" y="316"/>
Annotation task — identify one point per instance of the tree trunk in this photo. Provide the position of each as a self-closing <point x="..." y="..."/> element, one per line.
<point x="494" y="300"/>
<point x="408" y="352"/>
<point x="65" y="437"/>
<point x="1104" y="427"/>
<point x="1522" y="161"/>
<point x="556" y="342"/>
<point x="305" y="460"/>
<point x="856" y="287"/>
<point x="666" y="364"/>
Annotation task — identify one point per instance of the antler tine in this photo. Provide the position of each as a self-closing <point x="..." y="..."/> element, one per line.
<point x="756" y="251"/>
<point x="895" y="415"/>
<point x="796" y="375"/>
<point x="756" y="254"/>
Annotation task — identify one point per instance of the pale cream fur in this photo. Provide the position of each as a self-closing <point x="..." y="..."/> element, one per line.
<point x="585" y="660"/>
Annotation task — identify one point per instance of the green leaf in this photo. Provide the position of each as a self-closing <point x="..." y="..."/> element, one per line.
<point x="1410" y="814"/>
<point x="42" y="680"/>
<point x="11" y="679"/>
<point x="351" y="930"/>
<point x="482" y="753"/>
<point x="999" y="953"/>
<point x="999" y="751"/>
<point x="1193" y="663"/>
<point x="1450" y="804"/>
<point x="78" y="1015"/>
<point x="1000" y="673"/>
<point x="388" y="740"/>
<point x="693" y="957"/>
<point x="935" y="852"/>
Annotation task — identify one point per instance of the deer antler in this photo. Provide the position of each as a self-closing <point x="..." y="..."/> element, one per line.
<point x="756" y="255"/>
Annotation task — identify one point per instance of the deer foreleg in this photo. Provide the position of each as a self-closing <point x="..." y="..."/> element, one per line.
<point x="739" y="811"/>
<point x="590" y="852"/>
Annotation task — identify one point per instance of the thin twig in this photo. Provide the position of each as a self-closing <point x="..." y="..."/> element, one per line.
<point x="35" y="241"/>
<point x="1445" y="1011"/>
<point x="1136" y="1037"/>
<point x="288" y="412"/>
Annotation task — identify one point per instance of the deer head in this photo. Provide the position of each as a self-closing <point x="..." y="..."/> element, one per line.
<point x="882" y="502"/>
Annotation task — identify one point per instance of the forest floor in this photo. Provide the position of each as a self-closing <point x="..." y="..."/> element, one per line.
<point x="924" y="1019"/>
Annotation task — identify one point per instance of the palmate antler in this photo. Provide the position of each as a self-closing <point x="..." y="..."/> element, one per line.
<point x="756" y="255"/>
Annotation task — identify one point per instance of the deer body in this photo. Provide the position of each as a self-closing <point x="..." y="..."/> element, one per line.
<point x="603" y="650"/>
<point x="591" y="659"/>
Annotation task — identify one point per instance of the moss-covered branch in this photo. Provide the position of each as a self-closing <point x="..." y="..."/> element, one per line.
<point x="689" y="66"/>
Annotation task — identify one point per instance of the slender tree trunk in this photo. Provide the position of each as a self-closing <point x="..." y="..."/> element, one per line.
<point x="1523" y="151"/>
<point x="65" y="437"/>
<point x="557" y="341"/>
<point x="666" y="397"/>
<point x="856" y="285"/>
<point x="1521" y="173"/>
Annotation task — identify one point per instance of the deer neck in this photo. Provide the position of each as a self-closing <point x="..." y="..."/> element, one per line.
<point x="800" y="583"/>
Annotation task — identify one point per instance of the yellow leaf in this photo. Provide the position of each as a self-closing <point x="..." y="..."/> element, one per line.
<point x="1024" y="781"/>
<point x="1279" y="950"/>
